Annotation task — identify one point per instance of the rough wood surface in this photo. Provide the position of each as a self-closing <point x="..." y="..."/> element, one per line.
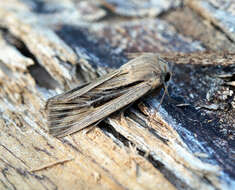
<point x="50" y="46"/>
<point x="220" y="13"/>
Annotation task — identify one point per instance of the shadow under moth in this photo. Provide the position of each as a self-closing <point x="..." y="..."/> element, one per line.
<point x="88" y="104"/>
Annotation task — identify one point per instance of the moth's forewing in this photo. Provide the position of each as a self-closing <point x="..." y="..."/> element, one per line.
<point x="81" y="107"/>
<point x="103" y="111"/>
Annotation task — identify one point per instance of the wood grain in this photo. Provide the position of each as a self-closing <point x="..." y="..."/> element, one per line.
<point x="49" y="48"/>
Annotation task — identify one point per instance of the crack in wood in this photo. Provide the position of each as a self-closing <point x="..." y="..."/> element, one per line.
<point x="179" y="184"/>
<point x="13" y="154"/>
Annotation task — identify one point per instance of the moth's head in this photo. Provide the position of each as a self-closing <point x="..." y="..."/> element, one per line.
<point x="165" y="70"/>
<point x="161" y="72"/>
<point x="148" y="67"/>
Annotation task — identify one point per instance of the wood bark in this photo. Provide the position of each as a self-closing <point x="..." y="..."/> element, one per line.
<point x="48" y="47"/>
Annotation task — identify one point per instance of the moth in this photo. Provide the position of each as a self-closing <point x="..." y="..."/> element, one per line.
<point x="90" y="103"/>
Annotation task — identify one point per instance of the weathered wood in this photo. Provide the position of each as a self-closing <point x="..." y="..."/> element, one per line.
<point x="137" y="8"/>
<point x="51" y="46"/>
<point x="199" y="29"/>
<point x="145" y="35"/>
<point x="219" y="13"/>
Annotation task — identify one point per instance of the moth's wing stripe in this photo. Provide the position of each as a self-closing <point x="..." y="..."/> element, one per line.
<point x="115" y="82"/>
<point x="82" y="89"/>
<point x="101" y="112"/>
<point x="57" y="115"/>
<point x="91" y="86"/>
<point x="59" y="97"/>
<point x="58" y="107"/>
<point x="62" y="123"/>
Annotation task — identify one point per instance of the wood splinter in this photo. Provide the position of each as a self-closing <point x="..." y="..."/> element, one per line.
<point x="51" y="165"/>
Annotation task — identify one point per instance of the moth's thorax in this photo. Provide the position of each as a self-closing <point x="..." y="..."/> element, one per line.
<point x="149" y="68"/>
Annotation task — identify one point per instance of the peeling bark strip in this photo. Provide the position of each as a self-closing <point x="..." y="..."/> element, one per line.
<point x="51" y="165"/>
<point x="187" y="144"/>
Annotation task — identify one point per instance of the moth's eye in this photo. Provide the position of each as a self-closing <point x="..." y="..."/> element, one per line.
<point x="167" y="77"/>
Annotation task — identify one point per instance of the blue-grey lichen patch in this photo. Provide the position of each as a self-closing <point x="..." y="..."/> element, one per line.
<point x="139" y="8"/>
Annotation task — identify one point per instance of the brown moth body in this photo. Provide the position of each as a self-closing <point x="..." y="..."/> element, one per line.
<point x="85" y="105"/>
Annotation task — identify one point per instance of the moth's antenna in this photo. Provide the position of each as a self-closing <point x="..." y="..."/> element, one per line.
<point x="164" y="94"/>
<point x="165" y="85"/>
